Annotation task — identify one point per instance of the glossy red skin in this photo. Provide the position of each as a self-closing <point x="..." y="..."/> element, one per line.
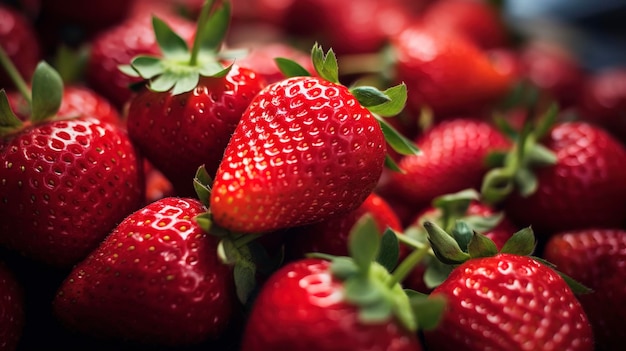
<point x="65" y="184"/>
<point x="509" y="302"/>
<point x="452" y="159"/>
<point x="118" y="45"/>
<point x="479" y="21"/>
<point x="77" y="101"/>
<point x="446" y="72"/>
<point x="305" y="149"/>
<point x="597" y="259"/>
<point x="603" y="101"/>
<point x="179" y="133"/>
<point x="301" y="307"/>
<point x="11" y="310"/>
<point x="156" y="279"/>
<point x="19" y="39"/>
<point x="260" y="59"/>
<point x="585" y="188"/>
<point x="331" y="236"/>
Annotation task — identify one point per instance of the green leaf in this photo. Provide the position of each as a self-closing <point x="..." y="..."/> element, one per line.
<point x="379" y="312"/>
<point x="428" y="310"/>
<point x="361" y="291"/>
<point x="369" y="96"/>
<point x="186" y="82"/>
<point x="205" y="221"/>
<point x="291" y="68"/>
<point x="364" y="242"/>
<point x="541" y="156"/>
<point x="47" y="90"/>
<point x="392" y="165"/>
<point x="462" y="233"/>
<point x="202" y="185"/>
<point x="244" y="273"/>
<point x="503" y="125"/>
<point x="436" y="273"/>
<point x="341" y="267"/>
<point x="389" y="250"/>
<point x="396" y="140"/>
<point x="164" y="82"/>
<point x="325" y="64"/>
<point x="520" y="243"/>
<point x="444" y="246"/>
<point x="526" y="182"/>
<point x="397" y="96"/>
<point x="8" y="119"/>
<point x="171" y="44"/>
<point x="129" y="71"/>
<point x="546" y="121"/>
<point x="481" y="246"/>
<point x="214" y="69"/>
<point x="483" y="224"/>
<point x="147" y="67"/>
<point x="214" y="30"/>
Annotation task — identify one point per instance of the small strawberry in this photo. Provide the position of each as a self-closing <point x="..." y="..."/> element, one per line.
<point x="453" y="159"/>
<point x="504" y="300"/>
<point x="65" y="182"/>
<point x="156" y="279"/>
<point x="305" y="149"/>
<point x="11" y="310"/>
<point x="20" y="42"/>
<point x="596" y="258"/>
<point x="185" y="118"/>
<point x="347" y="303"/>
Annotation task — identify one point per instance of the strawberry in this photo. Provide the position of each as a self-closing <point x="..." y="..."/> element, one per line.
<point x="331" y="236"/>
<point x="596" y="257"/>
<point x="184" y="119"/>
<point x="505" y="300"/>
<point x="156" y="279"/>
<point x="561" y="176"/>
<point x="306" y="148"/>
<point x="261" y="59"/>
<point x="347" y="303"/>
<point x="20" y="42"/>
<point x="12" y="310"/>
<point x="446" y="72"/>
<point x="65" y="182"/>
<point x="118" y="45"/>
<point x="453" y="159"/>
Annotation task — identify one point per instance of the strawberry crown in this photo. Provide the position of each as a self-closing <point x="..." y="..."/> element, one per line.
<point x="180" y="68"/>
<point x="382" y="104"/>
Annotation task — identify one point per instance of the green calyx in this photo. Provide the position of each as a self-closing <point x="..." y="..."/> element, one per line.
<point x="382" y="104"/>
<point x="180" y="68"/>
<point x="371" y="276"/>
<point x="515" y="170"/>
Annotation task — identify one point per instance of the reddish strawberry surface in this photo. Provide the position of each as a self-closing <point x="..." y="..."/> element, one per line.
<point x="305" y="149"/>
<point x="179" y="133"/>
<point x="156" y="279"/>
<point x="509" y="302"/>
<point x="261" y="60"/>
<point x="452" y="159"/>
<point x="584" y="188"/>
<point x="65" y="184"/>
<point x="11" y="310"/>
<point x="302" y="307"/>
<point x="596" y="258"/>
<point x="19" y="40"/>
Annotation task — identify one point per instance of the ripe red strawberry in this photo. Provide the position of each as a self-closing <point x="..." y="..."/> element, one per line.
<point x="187" y="122"/>
<point x="11" y="310"/>
<point x="65" y="183"/>
<point x="304" y="150"/>
<point x="596" y="258"/>
<point x="446" y="72"/>
<point x="20" y="42"/>
<point x="453" y="159"/>
<point x="156" y="279"/>
<point x="505" y="300"/>
<point x="331" y="236"/>
<point x="118" y="45"/>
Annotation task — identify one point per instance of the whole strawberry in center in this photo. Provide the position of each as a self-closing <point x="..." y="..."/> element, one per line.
<point x="306" y="148"/>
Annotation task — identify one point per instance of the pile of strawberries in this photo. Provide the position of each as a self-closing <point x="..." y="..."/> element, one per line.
<point x="305" y="175"/>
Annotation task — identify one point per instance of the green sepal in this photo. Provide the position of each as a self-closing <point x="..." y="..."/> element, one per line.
<point x="389" y="252"/>
<point x="215" y="70"/>
<point x="341" y="267"/>
<point x="164" y="82"/>
<point x="577" y="287"/>
<point x="521" y="243"/>
<point x="495" y="159"/>
<point x="462" y="234"/>
<point x="378" y="312"/>
<point x="428" y="310"/>
<point x="526" y="182"/>
<point x="204" y="221"/>
<point x="202" y="185"/>
<point x="436" y="272"/>
<point x="214" y="31"/>
<point x="483" y="224"/>
<point x="291" y="68"/>
<point x="396" y="140"/>
<point x="546" y="122"/>
<point x="129" y="71"/>
<point x="47" y="92"/>
<point x="454" y="206"/>
<point x="369" y="96"/>
<point x="397" y="100"/>
<point x="244" y="274"/>
<point x="497" y="185"/>
<point x="364" y="242"/>
<point x="444" y="246"/>
<point x="392" y="165"/>
<point x="8" y="120"/>
<point x="171" y="44"/>
<point x="481" y="246"/>
<point x="360" y="290"/>
<point x="325" y="63"/>
<point x="146" y="67"/>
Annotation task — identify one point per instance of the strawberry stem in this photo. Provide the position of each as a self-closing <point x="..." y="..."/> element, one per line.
<point x="407" y="265"/>
<point x="202" y="19"/>
<point x="15" y="76"/>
